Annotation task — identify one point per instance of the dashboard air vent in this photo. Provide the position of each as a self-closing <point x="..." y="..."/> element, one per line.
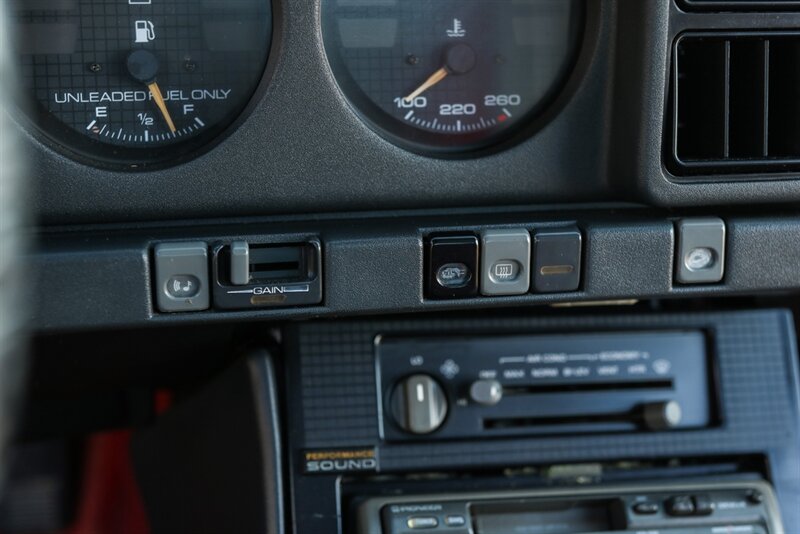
<point x="736" y="103"/>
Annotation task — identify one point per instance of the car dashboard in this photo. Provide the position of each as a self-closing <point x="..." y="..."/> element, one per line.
<point x="389" y="266"/>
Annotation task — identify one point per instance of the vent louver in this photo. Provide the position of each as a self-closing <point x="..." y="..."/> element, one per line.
<point x="736" y="103"/>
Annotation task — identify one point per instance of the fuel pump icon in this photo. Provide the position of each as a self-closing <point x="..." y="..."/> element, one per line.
<point x="145" y="31"/>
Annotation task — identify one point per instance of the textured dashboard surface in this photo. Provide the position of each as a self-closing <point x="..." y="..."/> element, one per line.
<point x="753" y="351"/>
<point x="302" y="148"/>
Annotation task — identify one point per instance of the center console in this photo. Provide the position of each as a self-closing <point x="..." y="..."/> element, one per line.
<point x="559" y="423"/>
<point x="544" y="385"/>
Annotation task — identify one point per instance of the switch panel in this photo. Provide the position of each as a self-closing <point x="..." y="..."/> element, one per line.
<point x="181" y="273"/>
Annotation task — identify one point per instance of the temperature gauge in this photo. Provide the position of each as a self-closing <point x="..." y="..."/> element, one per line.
<point x="451" y="75"/>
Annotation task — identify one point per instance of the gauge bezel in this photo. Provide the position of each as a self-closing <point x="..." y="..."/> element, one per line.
<point x="46" y="129"/>
<point x="430" y="144"/>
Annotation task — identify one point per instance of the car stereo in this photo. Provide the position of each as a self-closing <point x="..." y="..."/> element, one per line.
<point x="701" y="508"/>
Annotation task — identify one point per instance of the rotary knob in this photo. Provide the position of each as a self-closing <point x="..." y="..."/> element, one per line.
<point x="486" y="392"/>
<point x="419" y="404"/>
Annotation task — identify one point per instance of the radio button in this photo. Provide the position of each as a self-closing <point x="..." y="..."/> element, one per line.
<point x="680" y="506"/>
<point x="646" y="508"/>
<point x="703" y="505"/>
<point x="455" y="520"/>
<point x="420" y="523"/>
<point x="755" y="497"/>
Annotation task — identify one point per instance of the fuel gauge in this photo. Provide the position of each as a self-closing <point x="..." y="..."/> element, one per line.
<point x="139" y="82"/>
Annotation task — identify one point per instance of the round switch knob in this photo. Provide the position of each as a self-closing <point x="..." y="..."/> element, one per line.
<point x="419" y="404"/>
<point x="486" y="392"/>
<point x="663" y="415"/>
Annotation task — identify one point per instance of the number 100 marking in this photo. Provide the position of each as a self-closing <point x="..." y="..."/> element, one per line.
<point x="419" y="102"/>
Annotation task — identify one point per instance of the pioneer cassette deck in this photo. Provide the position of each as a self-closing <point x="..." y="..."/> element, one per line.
<point x="664" y="508"/>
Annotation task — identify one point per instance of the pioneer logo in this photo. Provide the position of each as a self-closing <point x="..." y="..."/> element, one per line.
<point x="340" y="461"/>
<point x="416" y="508"/>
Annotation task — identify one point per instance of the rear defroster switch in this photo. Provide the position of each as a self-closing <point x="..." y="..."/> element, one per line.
<point x="505" y="262"/>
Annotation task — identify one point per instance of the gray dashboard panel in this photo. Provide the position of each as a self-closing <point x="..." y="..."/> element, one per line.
<point x="303" y="149"/>
<point x="645" y="36"/>
<point x="90" y="283"/>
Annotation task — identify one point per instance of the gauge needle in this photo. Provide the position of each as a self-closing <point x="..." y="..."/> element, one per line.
<point x="159" y="98"/>
<point x="435" y="78"/>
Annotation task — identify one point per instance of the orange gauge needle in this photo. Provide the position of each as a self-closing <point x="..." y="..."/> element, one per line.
<point x="435" y="78"/>
<point x="159" y="98"/>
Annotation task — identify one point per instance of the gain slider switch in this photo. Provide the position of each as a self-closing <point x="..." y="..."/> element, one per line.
<point x="240" y="263"/>
<point x="256" y="275"/>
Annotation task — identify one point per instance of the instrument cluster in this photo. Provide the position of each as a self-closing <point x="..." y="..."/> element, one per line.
<point x="138" y="84"/>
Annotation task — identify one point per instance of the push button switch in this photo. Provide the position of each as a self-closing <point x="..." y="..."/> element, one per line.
<point x="505" y="263"/>
<point x="703" y="505"/>
<point x="183" y="286"/>
<point x="680" y="506"/>
<point x="557" y="260"/>
<point x="454" y="275"/>
<point x="700" y="255"/>
<point x="452" y="267"/>
<point x="423" y="522"/>
<point x="455" y="520"/>
<point x="646" y="508"/>
<point x="181" y="271"/>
